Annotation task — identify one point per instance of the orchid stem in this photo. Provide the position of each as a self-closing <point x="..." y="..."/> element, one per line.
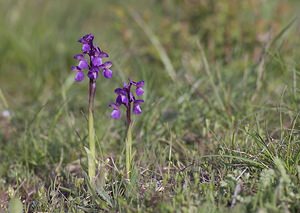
<point x="128" y="137"/>
<point x="92" y="155"/>
<point x="128" y="150"/>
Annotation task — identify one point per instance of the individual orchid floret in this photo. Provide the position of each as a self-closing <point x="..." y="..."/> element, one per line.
<point x="136" y="107"/>
<point x="139" y="88"/>
<point x="79" y="74"/>
<point x="91" y="59"/>
<point x="116" y="113"/>
<point x="87" y="42"/>
<point x="126" y="98"/>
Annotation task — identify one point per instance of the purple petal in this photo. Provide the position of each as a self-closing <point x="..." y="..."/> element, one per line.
<point x="137" y="109"/>
<point x="96" y="61"/>
<point x="86" y="38"/>
<point x="140" y="84"/>
<point x="116" y="114"/>
<point x="94" y="69"/>
<point x="97" y="51"/>
<point x="86" y="48"/>
<point x="122" y="99"/>
<point x="83" y="64"/>
<point x="138" y="102"/>
<point x="79" y="76"/>
<point x="75" y="68"/>
<point x="132" y="82"/>
<point x="114" y="105"/>
<point x="139" y="91"/>
<point x="107" y="65"/>
<point x="107" y="73"/>
<point x="119" y="91"/>
<point x="103" y="55"/>
<point x="119" y="100"/>
<point x="93" y="74"/>
<point x="79" y="57"/>
<point x="131" y="96"/>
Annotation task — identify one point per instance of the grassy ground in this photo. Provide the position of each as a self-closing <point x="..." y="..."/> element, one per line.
<point x="220" y="127"/>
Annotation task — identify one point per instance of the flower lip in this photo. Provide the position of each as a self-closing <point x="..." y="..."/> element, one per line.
<point x="86" y="48"/>
<point x="79" y="76"/>
<point x="122" y="99"/>
<point x="83" y="64"/>
<point x="96" y="61"/>
<point x="137" y="109"/>
<point x="115" y="114"/>
<point x="139" y="91"/>
<point x="107" y="73"/>
<point x="93" y="74"/>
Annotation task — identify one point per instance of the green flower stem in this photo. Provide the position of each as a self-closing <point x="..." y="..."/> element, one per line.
<point x="92" y="147"/>
<point x="128" y="150"/>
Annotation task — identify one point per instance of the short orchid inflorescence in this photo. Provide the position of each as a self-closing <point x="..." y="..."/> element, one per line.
<point x="127" y="98"/>
<point x="91" y="59"/>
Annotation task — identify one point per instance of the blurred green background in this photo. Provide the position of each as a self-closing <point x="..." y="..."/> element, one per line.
<point x="213" y="71"/>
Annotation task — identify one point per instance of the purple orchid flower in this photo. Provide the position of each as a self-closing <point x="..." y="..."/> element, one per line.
<point x="90" y="63"/>
<point x="91" y="59"/>
<point x="127" y="98"/>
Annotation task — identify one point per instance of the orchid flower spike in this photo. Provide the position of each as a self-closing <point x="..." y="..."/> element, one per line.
<point x="127" y="98"/>
<point x="91" y="59"/>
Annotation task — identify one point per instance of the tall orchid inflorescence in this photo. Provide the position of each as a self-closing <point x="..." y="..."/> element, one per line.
<point x="91" y="59"/>
<point x="94" y="62"/>
<point x="127" y="98"/>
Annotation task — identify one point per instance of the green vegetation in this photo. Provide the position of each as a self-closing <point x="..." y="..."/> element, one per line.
<point x="220" y="125"/>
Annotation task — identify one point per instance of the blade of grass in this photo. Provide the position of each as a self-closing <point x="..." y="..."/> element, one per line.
<point x="3" y="99"/>
<point x="283" y="31"/>
<point x="253" y="162"/>
<point x="210" y="77"/>
<point x="156" y="43"/>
